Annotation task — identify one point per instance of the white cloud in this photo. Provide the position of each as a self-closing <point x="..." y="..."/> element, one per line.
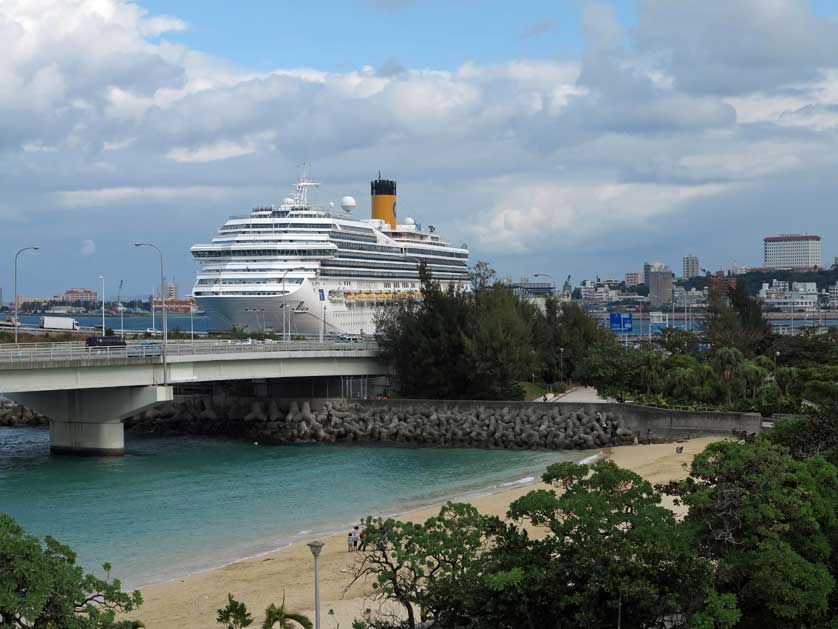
<point x="88" y="248"/>
<point x="114" y="196"/>
<point x="210" y="152"/>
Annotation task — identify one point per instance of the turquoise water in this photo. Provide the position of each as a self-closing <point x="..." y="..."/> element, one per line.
<point x="172" y="506"/>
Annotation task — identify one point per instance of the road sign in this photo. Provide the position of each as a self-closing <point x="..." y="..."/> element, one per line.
<point x="621" y="322"/>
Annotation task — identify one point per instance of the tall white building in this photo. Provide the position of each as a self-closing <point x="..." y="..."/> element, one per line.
<point x="691" y="267"/>
<point x="791" y="252"/>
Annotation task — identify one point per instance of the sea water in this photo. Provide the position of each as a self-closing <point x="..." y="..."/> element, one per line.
<point x="172" y="506"/>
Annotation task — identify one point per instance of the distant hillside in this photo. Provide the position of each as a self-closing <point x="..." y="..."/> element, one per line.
<point x="754" y="280"/>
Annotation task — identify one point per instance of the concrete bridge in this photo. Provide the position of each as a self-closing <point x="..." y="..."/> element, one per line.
<point x="87" y="392"/>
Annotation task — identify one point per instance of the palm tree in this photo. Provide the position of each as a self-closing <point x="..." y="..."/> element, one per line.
<point x="281" y="618"/>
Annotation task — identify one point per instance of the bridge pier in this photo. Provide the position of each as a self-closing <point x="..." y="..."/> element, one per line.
<point x="88" y="422"/>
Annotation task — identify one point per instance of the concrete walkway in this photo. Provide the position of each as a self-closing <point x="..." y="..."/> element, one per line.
<point x="587" y="395"/>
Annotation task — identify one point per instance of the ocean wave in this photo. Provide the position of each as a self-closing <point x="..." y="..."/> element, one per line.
<point x="527" y="480"/>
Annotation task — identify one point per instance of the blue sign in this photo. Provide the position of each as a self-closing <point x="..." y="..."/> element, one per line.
<point x="322" y="296"/>
<point x="621" y="322"/>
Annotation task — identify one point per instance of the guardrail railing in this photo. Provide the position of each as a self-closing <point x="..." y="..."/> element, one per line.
<point x="40" y="354"/>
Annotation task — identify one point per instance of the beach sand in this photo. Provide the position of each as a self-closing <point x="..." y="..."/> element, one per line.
<point x="191" y="602"/>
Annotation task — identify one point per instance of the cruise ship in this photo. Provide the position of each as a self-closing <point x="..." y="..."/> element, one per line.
<point x="299" y="269"/>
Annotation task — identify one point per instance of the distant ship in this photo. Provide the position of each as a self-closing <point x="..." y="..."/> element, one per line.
<point x="307" y="270"/>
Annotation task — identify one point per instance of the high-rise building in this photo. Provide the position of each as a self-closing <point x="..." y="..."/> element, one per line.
<point x="660" y="287"/>
<point x="633" y="279"/>
<point x="791" y="252"/>
<point x="648" y="267"/>
<point x="691" y="267"/>
<point x="171" y="290"/>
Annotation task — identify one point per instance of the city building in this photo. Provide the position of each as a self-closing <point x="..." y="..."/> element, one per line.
<point x="691" y="268"/>
<point x="694" y="296"/>
<point x="833" y="297"/>
<point x="72" y="295"/>
<point x="660" y="287"/>
<point x="791" y="252"/>
<point x="526" y="288"/>
<point x="648" y="267"/>
<point x="633" y="279"/>
<point x="802" y="296"/>
<point x="722" y="284"/>
<point x="171" y="290"/>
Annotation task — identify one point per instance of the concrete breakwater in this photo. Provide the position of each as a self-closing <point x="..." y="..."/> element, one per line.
<point x="16" y="416"/>
<point x="509" y="425"/>
<point x="505" y="425"/>
<point x="535" y="426"/>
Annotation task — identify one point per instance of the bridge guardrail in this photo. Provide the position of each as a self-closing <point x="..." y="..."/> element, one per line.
<point x="73" y="351"/>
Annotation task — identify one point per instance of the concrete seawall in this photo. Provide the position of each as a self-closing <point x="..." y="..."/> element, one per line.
<point x="514" y="425"/>
<point x="507" y="425"/>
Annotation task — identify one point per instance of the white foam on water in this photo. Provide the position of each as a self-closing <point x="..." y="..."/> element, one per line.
<point x="527" y="480"/>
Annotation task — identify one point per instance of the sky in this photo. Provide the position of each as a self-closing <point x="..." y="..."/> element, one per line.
<point x="564" y="138"/>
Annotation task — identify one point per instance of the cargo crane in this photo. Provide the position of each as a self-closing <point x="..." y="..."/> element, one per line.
<point x="567" y="289"/>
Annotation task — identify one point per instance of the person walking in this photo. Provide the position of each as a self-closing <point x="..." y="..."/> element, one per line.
<point x="356" y="537"/>
<point x="648" y="437"/>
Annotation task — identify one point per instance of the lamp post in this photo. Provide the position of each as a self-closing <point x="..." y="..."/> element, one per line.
<point x="121" y="311"/>
<point x="549" y="277"/>
<point x="316" y="546"/>
<point x="165" y="313"/>
<point x="192" y="325"/>
<point x="102" y="277"/>
<point x="561" y="362"/>
<point x="17" y="318"/>
<point x="285" y="297"/>
<point x="260" y="326"/>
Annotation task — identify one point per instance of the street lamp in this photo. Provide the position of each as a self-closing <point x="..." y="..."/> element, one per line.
<point x="287" y="315"/>
<point x="549" y="277"/>
<point x="192" y="324"/>
<point x="165" y="313"/>
<point x="17" y="319"/>
<point x="561" y="362"/>
<point x="102" y="277"/>
<point x="259" y="325"/>
<point x="316" y="546"/>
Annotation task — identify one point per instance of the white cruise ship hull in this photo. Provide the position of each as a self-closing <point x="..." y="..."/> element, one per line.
<point x="265" y="313"/>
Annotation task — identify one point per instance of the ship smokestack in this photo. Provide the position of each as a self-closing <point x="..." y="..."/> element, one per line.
<point x="383" y="193"/>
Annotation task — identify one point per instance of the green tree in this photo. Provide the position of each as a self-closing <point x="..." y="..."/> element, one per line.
<point x="766" y="522"/>
<point x="735" y="320"/>
<point x="612" y="555"/>
<point x="425" y="565"/>
<point x="42" y="587"/>
<point x="234" y="615"/>
<point x="282" y="618"/>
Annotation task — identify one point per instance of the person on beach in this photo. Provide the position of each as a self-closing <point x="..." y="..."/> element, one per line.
<point x="648" y="437"/>
<point x="363" y="539"/>
<point x="636" y="439"/>
<point x="356" y="537"/>
<point x="349" y="539"/>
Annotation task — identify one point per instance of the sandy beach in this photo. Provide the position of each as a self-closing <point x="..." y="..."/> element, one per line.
<point x="191" y="602"/>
